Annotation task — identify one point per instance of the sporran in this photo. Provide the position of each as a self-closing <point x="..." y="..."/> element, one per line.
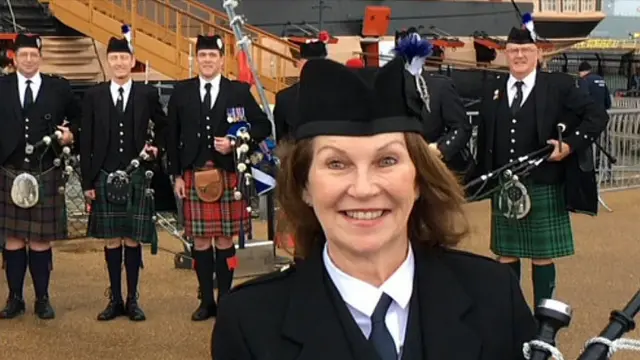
<point x="514" y="201"/>
<point x="118" y="187"/>
<point x="25" y="191"/>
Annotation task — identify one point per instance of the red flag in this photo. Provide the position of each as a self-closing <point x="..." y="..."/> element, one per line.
<point x="244" y="70"/>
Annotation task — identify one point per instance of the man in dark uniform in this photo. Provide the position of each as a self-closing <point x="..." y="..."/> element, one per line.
<point x="283" y="111"/>
<point x="596" y="85"/>
<point x="447" y="127"/>
<point x="597" y="88"/>
<point x="520" y="114"/>
<point x="200" y="156"/>
<point x="34" y="105"/>
<point x="115" y="121"/>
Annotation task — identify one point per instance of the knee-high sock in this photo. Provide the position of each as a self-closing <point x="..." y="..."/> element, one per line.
<point x="113" y="257"/>
<point x="132" y="263"/>
<point x="204" y="272"/>
<point x="15" y="266"/>
<point x="226" y="262"/>
<point x="40" y="266"/>
<point x="515" y="266"/>
<point x="544" y="282"/>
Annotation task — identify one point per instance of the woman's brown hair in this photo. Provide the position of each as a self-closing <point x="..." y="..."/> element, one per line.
<point x="437" y="217"/>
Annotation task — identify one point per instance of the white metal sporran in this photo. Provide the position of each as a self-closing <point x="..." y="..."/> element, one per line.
<point x="514" y="201"/>
<point x="25" y="191"/>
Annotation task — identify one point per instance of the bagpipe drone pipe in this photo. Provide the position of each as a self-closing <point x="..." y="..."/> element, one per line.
<point x="553" y="315"/>
<point x="119" y="181"/>
<point x="64" y="157"/>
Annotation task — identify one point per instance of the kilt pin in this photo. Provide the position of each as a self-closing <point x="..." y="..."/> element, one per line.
<point x="545" y="233"/>
<point x="133" y="220"/>
<point x="46" y="221"/>
<point x="225" y="217"/>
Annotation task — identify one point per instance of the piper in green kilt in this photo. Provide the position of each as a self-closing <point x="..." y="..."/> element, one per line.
<point x="115" y="123"/>
<point x="520" y="114"/>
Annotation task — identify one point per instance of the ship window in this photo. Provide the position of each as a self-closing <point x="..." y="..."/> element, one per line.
<point x="549" y="5"/>
<point x="570" y="5"/>
<point x="587" y="5"/>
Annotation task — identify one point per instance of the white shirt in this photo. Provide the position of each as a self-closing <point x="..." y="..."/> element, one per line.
<point x="215" y="89"/>
<point x="36" y="81"/>
<point x="529" y="82"/>
<point x="113" y="88"/>
<point x="361" y="298"/>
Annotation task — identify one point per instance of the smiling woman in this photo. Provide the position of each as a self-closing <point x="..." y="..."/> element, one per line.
<point x="375" y="214"/>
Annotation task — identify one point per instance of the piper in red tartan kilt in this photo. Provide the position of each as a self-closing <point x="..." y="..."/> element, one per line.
<point x="521" y="113"/>
<point x="35" y="106"/>
<point x="115" y="129"/>
<point x="202" y="162"/>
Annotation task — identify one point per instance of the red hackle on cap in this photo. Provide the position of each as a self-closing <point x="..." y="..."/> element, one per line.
<point x="355" y="63"/>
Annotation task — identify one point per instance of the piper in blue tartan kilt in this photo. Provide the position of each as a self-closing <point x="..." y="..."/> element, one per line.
<point x="34" y="105"/>
<point x="115" y="129"/>
<point x="520" y="114"/>
<point x="199" y="153"/>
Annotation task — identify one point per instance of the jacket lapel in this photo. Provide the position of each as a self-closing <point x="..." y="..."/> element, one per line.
<point x="498" y="92"/>
<point x="311" y="303"/>
<point x="138" y="100"/>
<point x="541" y="91"/>
<point x="220" y="107"/>
<point x="443" y="305"/>
<point x="103" y="110"/>
<point x="15" y="97"/>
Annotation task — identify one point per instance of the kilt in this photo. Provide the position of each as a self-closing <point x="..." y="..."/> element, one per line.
<point x="46" y="221"/>
<point x="133" y="220"/>
<point x="545" y="233"/>
<point x="225" y="217"/>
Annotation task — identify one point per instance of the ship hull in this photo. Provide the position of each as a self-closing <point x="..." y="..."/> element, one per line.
<point x="344" y="18"/>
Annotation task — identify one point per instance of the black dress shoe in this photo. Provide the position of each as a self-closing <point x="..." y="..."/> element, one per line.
<point x="43" y="309"/>
<point x="114" y="309"/>
<point x="15" y="307"/>
<point x="133" y="310"/>
<point x="204" y="312"/>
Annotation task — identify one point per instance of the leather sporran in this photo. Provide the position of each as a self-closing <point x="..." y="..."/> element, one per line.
<point x="25" y="191"/>
<point x="208" y="183"/>
<point x="118" y="188"/>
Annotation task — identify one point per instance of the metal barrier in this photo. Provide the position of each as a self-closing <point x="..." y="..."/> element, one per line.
<point x="626" y="103"/>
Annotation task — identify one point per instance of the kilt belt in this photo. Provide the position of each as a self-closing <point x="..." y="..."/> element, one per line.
<point x="133" y="219"/>
<point x="46" y="220"/>
<point x="545" y="233"/>
<point x="226" y="217"/>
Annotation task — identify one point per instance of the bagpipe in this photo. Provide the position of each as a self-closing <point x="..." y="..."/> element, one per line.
<point x="254" y="162"/>
<point x="25" y="190"/>
<point x="553" y="315"/>
<point x="514" y="201"/>
<point x="118" y="185"/>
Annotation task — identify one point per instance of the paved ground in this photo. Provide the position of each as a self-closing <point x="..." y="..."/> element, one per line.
<point x="602" y="276"/>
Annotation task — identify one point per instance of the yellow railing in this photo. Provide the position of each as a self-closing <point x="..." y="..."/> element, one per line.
<point x="164" y="34"/>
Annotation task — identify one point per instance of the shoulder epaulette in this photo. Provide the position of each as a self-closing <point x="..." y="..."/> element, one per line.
<point x="271" y="277"/>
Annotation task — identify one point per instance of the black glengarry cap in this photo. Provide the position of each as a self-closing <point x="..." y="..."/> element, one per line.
<point x="339" y="101"/>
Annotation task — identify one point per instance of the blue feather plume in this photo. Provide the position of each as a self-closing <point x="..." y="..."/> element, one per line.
<point x="527" y="18"/>
<point x="415" y="50"/>
<point x="413" y="46"/>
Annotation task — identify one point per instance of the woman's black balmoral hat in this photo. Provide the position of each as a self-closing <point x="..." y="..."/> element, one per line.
<point x="336" y="100"/>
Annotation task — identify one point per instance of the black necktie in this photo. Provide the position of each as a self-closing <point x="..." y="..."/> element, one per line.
<point x="207" y="97"/>
<point x="120" y="101"/>
<point x="380" y="336"/>
<point x="517" y="100"/>
<point x="28" y="96"/>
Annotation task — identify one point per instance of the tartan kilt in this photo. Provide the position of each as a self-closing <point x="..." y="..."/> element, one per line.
<point x="226" y="217"/>
<point x="133" y="220"/>
<point x="545" y="233"/>
<point x="46" y="221"/>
